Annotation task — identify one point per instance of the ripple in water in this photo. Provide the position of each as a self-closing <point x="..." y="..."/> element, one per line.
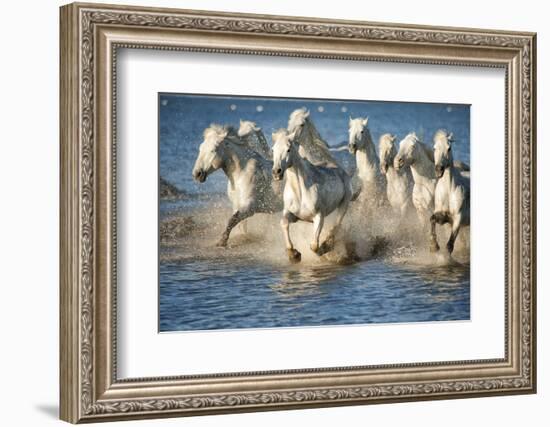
<point x="252" y="285"/>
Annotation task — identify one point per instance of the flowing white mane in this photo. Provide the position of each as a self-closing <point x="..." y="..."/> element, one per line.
<point x="442" y="138"/>
<point x="412" y="139"/>
<point x="387" y="143"/>
<point x="219" y="133"/>
<point x="312" y="146"/>
<point x="297" y="118"/>
<point x="443" y="133"/>
<point x="278" y="134"/>
<point x="254" y="138"/>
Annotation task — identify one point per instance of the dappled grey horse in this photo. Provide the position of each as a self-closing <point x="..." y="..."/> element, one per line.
<point x="311" y="192"/>
<point x="250" y="186"/>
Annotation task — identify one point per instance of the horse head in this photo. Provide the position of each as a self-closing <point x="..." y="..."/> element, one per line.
<point x="297" y="121"/>
<point x="408" y="151"/>
<point x="212" y="150"/>
<point x="284" y="149"/>
<point x="387" y="151"/>
<point x="357" y="134"/>
<point x="443" y="157"/>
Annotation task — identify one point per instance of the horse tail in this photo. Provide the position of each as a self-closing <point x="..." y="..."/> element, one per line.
<point x="461" y="166"/>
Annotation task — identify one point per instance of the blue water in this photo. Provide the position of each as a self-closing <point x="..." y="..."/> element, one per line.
<point x="226" y="295"/>
<point x="251" y="284"/>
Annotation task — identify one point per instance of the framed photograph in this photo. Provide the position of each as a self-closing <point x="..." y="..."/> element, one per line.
<point x="268" y="212"/>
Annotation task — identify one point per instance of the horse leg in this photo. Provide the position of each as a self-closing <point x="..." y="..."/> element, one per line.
<point x="328" y="244"/>
<point x="318" y="222"/>
<point x="454" y="233"/>
<point x="288" y="218"/>
<point x="233" y="221"/>
<point x="434" y="246"/>
<point x="437" y="218"/>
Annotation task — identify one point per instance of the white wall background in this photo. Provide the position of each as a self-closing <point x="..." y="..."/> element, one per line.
<point x="29" y="170"/>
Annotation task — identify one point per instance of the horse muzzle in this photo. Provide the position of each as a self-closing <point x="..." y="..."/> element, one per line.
<point x="439" y="170"/>
<point x="352" y="148"/>
<point x="277" y="174"/>
<point x="199" y="175"/>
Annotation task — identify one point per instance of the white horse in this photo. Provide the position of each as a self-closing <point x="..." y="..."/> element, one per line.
<point x="368" y="166"/>
<point x="254" y="137"/>
<point x="312" y="146"/>
<point x="452" y="192"/>
<point x="249" y="182"/>
<point x="414" y="154"/>
<point x="399" y="183"/>
<point x="311" y="192"/>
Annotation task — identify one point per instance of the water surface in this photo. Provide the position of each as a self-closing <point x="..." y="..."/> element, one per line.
<point x="251" y="284"/>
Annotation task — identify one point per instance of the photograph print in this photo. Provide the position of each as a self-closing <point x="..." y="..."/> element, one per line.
<point x="293" y="212"/>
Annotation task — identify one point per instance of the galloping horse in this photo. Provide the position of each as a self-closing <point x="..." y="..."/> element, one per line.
<point x="414" y="154"/>
<point x="398" y="182"/>
<point x="368" y="166"/>
<point x="311" y="192"/>
<point x="452" y="192"/>
<point x="249" y="182"/>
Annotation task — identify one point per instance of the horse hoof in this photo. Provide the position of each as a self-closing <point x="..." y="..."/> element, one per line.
<point x="222" y="244"/>
<point x="434" y="247"/>
<point x="326" y="246"/>
<point x="294" y="256"/>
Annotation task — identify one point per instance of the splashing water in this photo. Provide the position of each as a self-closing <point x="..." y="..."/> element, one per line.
<point x="380" y="271"/>
<point x="390" y="277"/>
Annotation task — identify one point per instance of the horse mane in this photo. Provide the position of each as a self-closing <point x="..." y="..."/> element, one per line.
<point x="314" y="146"/>
<point x="263" y="144"/>
<point x="278" y="132"/>
<point x="429" y="153"/>
<point x="223" y="132"/>
<point x="371" y="146"/>
<point x="298" y="112"/>
<point x="259" y="143"/>
<point x="441" y="132"/>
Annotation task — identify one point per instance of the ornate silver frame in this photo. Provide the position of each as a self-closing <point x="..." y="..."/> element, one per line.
<point x="90" y="36"/>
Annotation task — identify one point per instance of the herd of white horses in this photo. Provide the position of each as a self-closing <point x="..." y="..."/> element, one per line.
<point x="300" y="176"/>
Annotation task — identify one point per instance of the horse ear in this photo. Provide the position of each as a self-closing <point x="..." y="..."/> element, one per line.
<point x="450" y="137"/>
<point x="350" y="119"/>
<point x="241" y="121"/>
<point x="393" y="138"/>
<point x="306" y="115"/>
<point x="365" y="121"/>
